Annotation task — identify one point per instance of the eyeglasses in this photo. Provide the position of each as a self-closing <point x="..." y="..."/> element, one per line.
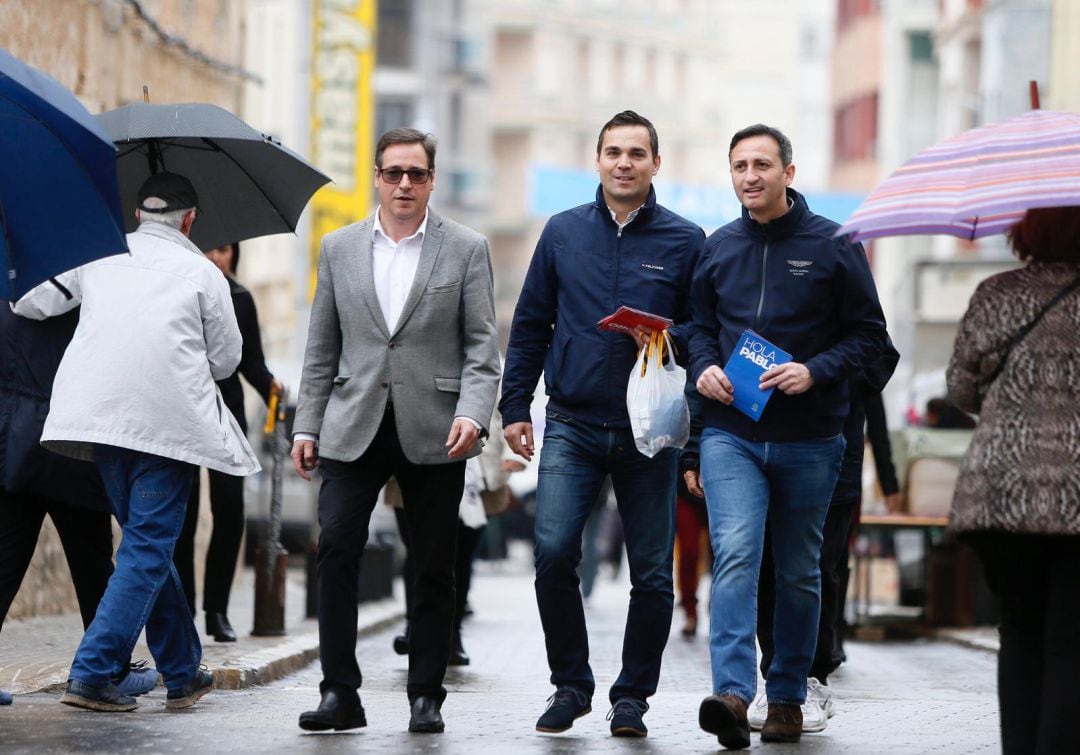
<point x="416" y="175"/>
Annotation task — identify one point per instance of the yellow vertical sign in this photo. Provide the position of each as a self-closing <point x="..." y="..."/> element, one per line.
<point x="342" y="116"/>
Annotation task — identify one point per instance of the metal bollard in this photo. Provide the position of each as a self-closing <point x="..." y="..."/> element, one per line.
<point x="271" y="559"/>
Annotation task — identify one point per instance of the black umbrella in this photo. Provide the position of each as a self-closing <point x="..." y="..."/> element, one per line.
<point x="248" y="183"/>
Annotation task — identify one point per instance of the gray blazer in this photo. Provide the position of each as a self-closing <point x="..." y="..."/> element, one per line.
<point x="441" y="362"/>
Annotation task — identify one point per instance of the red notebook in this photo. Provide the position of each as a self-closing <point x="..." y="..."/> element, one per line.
<point x="627" y="318"/>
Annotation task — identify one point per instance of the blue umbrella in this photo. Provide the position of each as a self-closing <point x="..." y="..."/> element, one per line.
<point x="59" y="200"/>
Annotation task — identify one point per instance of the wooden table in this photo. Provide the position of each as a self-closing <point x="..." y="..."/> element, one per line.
<point x="928" y="525"/>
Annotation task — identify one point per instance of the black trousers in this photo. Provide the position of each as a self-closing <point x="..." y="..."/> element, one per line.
<point x="431" y="495"/>
<point x="85" y="535"/>
<point x="834" y="554"/>
<point x="227" y="508"/>
<point x="1037" y="578"/>
<point x="468" y="539"/>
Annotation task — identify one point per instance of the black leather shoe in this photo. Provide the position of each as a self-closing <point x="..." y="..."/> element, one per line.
<point x="337" y="710"/>
<point x="218" y="627"/>
<point x="458" y="656"/>
<point x="425" y="717"/>
<point x="401" y="642"/>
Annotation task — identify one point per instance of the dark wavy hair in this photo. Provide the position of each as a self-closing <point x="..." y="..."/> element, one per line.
<point x="406" y="136"/>
<point x="630" y="118"/>
<point x="1047" y="233"/>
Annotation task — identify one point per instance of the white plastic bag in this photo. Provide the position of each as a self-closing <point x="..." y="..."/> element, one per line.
<point x="659" y="416"/>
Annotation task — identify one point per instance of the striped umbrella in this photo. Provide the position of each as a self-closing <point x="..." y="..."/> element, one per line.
<point x="978" y="183"/>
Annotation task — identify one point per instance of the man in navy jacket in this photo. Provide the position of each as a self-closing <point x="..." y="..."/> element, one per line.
<point x="779" y="271"/>
<point x="623" y="248"/>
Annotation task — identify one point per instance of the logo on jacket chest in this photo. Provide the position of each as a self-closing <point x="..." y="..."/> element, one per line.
<point x="799" y="268"/>
<point x="649" y="266"/>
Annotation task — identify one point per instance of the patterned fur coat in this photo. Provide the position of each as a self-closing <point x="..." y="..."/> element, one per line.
<point x="1021" y="473"/>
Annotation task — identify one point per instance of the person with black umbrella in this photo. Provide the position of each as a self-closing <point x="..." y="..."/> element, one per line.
<point x="134" y="393"/>
<point x="226" y="491"/>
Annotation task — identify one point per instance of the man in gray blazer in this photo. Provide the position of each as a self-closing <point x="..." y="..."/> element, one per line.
<point x="400" y="377"/>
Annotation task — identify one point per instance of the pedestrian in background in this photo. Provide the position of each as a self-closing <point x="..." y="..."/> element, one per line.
<point x="595" y="541"/>
<point x="135" y="392"/>
<point x="35" y="482"/>
<point x="779" y="271"/>
<point x="1017" y="499"/>
<point x="621" y="249"/>
<point x="226" y="491"/>
<point x="400" y="376"/>
<point x="877" y="433"/>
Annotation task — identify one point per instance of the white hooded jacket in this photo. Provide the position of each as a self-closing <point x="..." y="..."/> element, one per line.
<point x="156" y="329"/>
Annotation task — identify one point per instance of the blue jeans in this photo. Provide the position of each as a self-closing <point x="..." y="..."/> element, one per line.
<point x="574" y="461"/>
<point x="745" y="482"/>
<point x="149" y="496"/>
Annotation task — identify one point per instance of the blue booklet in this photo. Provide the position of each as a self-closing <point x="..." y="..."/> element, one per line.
<point x="752" y="356"/>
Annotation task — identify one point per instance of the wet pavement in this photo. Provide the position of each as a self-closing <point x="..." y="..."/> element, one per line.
<point x="917" y="696"/>
<point x="35" y="654"/>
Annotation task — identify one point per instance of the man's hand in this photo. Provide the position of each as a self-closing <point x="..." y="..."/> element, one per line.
<point x="692" y="477"/>
<point x="463" y="434"/>
<point x="305" y="457"/>
<point x="714" y="384"/>
<point x="894" y="504"/>
<point x="642" y="334"/>
<point x="791" y="378"/>
<point x="519" y="436"/>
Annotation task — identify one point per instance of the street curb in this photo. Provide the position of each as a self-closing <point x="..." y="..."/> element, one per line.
<point x="265" y="665"/>
<point x="982" y="639"/>
<point x="986" y="644"/>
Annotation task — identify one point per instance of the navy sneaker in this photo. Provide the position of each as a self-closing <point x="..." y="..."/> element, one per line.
<point x="564" y="707"/>
<point x="138" y="679"/>
<point x="625" y="716"/>
<point x="5" y="698"/>
<point x="186" y="696"/>
<point x="107" y="699"/>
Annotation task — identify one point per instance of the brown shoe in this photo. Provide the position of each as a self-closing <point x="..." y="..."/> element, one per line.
<point x="725" y="716"/>
<point x="783" y="724"/>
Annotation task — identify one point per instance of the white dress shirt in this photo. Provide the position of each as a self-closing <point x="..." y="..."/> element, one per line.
<point x="394" y="266"/>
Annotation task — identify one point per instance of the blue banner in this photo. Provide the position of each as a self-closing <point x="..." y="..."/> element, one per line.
<point x="555" y="189"/>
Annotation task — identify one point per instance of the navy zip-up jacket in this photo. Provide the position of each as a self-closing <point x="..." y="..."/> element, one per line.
<point x="583" y="269"/>
<point x="802" y="289"/>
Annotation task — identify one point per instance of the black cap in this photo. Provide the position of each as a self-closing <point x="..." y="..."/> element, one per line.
<point x="174" y="189"/>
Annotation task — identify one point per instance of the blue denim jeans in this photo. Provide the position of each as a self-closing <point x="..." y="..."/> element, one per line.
<point x="574" y="461"/>
<point x="149" y="496"/>
<point x="745" y="482"/>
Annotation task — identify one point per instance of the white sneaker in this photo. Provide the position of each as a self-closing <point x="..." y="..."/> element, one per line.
<point x="823" y="693"/>
<point x="818" y="708"/>
<point x="758" y="712"/>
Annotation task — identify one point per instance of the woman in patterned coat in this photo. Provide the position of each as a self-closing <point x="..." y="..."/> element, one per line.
<point x="1017" y="500"/>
